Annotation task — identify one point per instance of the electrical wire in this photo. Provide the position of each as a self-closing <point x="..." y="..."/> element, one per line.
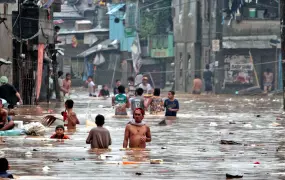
<point x="107" y="16"/>
<point x="200" y="70"/>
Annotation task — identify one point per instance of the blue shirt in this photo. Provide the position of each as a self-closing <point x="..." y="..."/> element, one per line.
<point x="6" y="175"/>
<point x="171" y="104"/>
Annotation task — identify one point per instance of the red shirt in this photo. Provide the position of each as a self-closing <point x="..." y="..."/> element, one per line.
<point x="59" y="137"/>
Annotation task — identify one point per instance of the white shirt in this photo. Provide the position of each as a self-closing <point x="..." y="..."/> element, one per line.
<point x="146" y="88"/>
<point x="91" y="84"/>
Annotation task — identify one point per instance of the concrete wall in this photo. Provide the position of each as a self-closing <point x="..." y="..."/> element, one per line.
<point x="185" y="37"/>
<point x="6" y="47"/>
<point x="252" y="27"/>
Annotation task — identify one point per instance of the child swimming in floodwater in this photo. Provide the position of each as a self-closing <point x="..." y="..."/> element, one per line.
<point x="59" y="133"/>
<point x="4" y="167"/>
<point x="71" y="117"/>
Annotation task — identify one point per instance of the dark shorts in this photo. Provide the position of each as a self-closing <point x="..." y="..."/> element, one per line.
<point x="208" y="86"/>
<point x="196" y="92"/>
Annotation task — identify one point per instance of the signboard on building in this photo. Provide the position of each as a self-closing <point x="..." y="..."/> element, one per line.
<point x="216" y="45"/>
<point x="238" y="69"/>
<point x="241" y="67"/>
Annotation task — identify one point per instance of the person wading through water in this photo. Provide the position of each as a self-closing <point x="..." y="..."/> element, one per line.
<point x="137" y="133"/>
<point x="121" y="102"/>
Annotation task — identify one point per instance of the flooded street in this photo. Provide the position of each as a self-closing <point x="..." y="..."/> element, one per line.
<point x="190" y="148"/>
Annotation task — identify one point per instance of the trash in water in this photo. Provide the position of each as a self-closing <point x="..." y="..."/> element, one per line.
<point x="156" y="161"/>
<point x="247" y="126"/>
<point x="275" y="124"/>
<point x="163" y="122"/>
<point x="163" y="147"/>
<point x="231" y="133"/>
<point x="232" y="122"/>
<point x="233" y="176"/>
<point x="256" y="162"/>
<point x="229" y="142"/>
<point x="258" y="115"/>
<point x="58" y="160"/>
<point x="278" y="118"/>
<point x="103" y="157"/>
<point x="35" y="150"/>
<point x="48" y="145"/>
<point x="213" y="124"/>
<point x="138" y="173"/>
<point x="46" y="168"/>
<point x="28" y="153"/>
<point x="78" y="159"/>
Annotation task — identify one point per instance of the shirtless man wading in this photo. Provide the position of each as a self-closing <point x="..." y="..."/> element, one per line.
<point x="137" y="133"/>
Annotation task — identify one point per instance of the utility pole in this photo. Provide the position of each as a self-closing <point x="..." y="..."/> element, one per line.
<point x="282" y="23"/>
<point x="219" y="56"/>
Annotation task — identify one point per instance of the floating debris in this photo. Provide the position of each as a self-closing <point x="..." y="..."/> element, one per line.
<point x="46" y="169"/>
<point x="138" y="173"/>
<point x="213" y="124"/>
<point x="247" y="126"/>
<point x="156" y="161"/>
<point x="230" y="176"/>
<point x="229" y="142"/>
<point x="78" y="159"/>
<point x="28" y="153"/>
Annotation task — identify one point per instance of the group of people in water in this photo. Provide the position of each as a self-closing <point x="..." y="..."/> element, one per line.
<point x="137" y="132"/>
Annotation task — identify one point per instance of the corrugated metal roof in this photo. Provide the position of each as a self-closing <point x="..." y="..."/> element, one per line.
<point x="103" y="46"/>
<point x="84" y="31"/>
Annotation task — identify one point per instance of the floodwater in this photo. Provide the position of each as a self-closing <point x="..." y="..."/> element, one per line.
<point x="190" y="148"/>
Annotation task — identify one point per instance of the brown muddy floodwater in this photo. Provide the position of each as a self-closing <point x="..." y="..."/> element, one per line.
<point x="190" y="148"/>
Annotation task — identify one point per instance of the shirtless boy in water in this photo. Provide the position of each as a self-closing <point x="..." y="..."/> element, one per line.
<point x="137" y="133"/>
<point x="67" y="84"/>
<point x="71" y="118"/>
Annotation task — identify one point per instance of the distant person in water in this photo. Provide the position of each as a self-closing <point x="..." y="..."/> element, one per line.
<point x="131" y="86"/>
<point x="155" y="102"/>
<point x="146" y="86"/>
<point x="138" y="100"/>
<point x="121" y="102"/>
<point x="67" y="84"/>
<point x="9" y="93"/>
<point x="197" y="85"/>
<point x="171" y="105"/>
<point x="91" y="86"/>
<point x="59" y="133"/>
<point x="71" y="118"/>
<point x="4" y="167"/>
<point x="104" y="92"/>
<point x="208" y="76"/>
<point x="99" y="137"/>
<point x="6" y="122"/>
<point x="118" y="83"/>
<point x="137" y="133"/>
<point x="267" y="80"/>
